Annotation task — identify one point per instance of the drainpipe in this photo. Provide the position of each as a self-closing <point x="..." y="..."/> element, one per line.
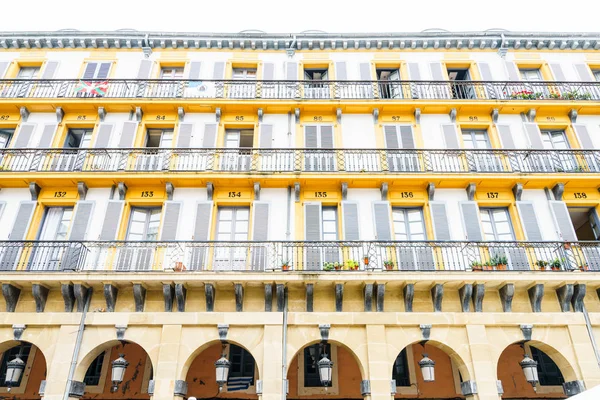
<point x="288" y="232"/>
<point x="78" y="343"/>
<point x="284" y="347"/>
<point x="588" y="325"/>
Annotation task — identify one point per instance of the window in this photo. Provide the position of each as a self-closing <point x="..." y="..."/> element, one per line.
<point x="387" y="88"/>
<point x="94" y="371"/>
<point x="244" y="74"/>
<point x="408" y="223"/>
<point x="241" y="371"/>
<point x="317" y="74"/>
<point x="330" y="223"/>
<point x="496" y="224"/>
<point x="476" y="139"/>
<point x="555" y="140"/>
<point x="144" y="223"/>
<point x="161" y="138"/>
<point x="316" y="88"/>
<point x="319" y="137"/>
<point x="531" y="75"/>
<point x="400" y="369"/>
<point x="78" y="139"/>
<point x="5" y="136"/>
<point x="460" y="90"/>
<point x="96" y="70"/>
<point x="23" y="352"/>
<point x="548" y="372"/>
<point x="238" y="160"/>
<point x="56" y="223"/>
<point x="28" y="72"/>
<point x="171" y="73"/>
<point x="239" y="138"/>
<point x="233" y="223"/>
<point x="312" y="355"/>
<point x="596" y="74"/>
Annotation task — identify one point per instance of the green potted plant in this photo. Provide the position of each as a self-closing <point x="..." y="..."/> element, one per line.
<point x="388" y="264"/>
<point x="488" y="266"/>
<point x="476" y="266"/>
<point x="542" y="264"/>
<point x="584" y="267"/>
<point x="285" y="266"/>
<point x="555" y="264"/>
<point x="501" y="263"/>
<point x="327" y="266"/>
<point x="352" y="265"/>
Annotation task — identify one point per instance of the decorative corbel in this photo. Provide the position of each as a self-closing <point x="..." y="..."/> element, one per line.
<point x="110" y="295"/>
<point x="209" y="191"/>
<point x="518" y="191"/>
<point x="384" y="191"/>
<point x="24" y="113"/>
<point x="418" y="116"/>
<point x="218" y="114"/>
<point x="181" y="113"/>
<point x="565" y="295"/>
<point x="139" y="114"/>
<point x="40" y="295"/>
<point x="101" y="114"/>
<point x="558" y="191"/>
<point x="495" y="113"/>
<point x="471" y="188"/>
<point x="579" y="291"/>
<point x="170" y="189"/>
<point x="507" y="293"/>
<point x="465" y="293"/>
<point x="139" y="296"/>
<point x="223" y="329"/>
<point x="256" y="190"/>
<point x="339" y="297"/>
<point x="209" y="295"/>
<point x="338" y="114"/>
<point x="260" y="115"/>
<point x="344" y="191"/>
<point x="531" y="115"/>
<point x="452" y="115"/>
<point x="34" y="190"/>
<point x="82" y="189"/>
<point x="121" y="331"/>
<point x="11" y="295"/>
<point x="180" y="296"/>
<point x="425" y="331"/>
<point x="297" y="114"/>
<point x="368" y="296"/>
<point x="409" y="293"/>
<point x="375" y="115"/>
<point x="59" y="114"/>
<point x="573" y="115"/>
<point x="526" y="329"/>
<point x="18" y="331"/>
<point x="437" y="294"/>
<point x="478" y="294"/>
<point x="122" y="188"/>
<point x="536" y="294"/>
<point x="324" y="330"/>
<point x="238" y="290"/>
<point x="430" y="190"/>
<point x="297" y="192"/>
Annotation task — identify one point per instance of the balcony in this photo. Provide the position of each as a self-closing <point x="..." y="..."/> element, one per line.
<point x="298" y="90"/>
<point x="346" y="256"/>
<point x="260" y="161"/>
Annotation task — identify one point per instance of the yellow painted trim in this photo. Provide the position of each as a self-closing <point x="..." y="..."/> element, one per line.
<point x="243" y="63"/>
<point x="35" y="61"/>
<point x="316" y="63"/>
<point x="161" y="63"/>
<point x="533" y="64"/>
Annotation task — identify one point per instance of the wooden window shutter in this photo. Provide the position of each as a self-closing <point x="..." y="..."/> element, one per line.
<point x="584" y="73"/>
<point x="485" y="71"/>
<point x="439" y="215"/>
<point x="193" y="71"/>
<point x="171" y="215"/>
<point x="145" y="69"/>
<point x="391" y="136"/>
<point x="381" y="217"/>
<point x="506" y="136"/>
<point x="22" y="220"/>
<point x="512" y="71"/>
<point x="406" y="137"/>
<point x="326" y="137"/>
<point x="184" y="136"/>
<point x="103" y="70"/>
<point x="210" y="136"/>
<point x="260" y="233"/>
<point x="219" y="70"/>
<point x="414" y="74"/>
<point x="128" y="134"/>
<point x="3" y="67"/>
<point x="50" y="69"/>
<point x="437" y="73"/>
<point x="266" y="136"/>
<point x="562" y="220"/>
<point x="311" y="140"/>
<point x="103" y="135"/>
<point x="365" y="71"/>
<point x="470" y="215"/>
<point x="47" y="136"/>
<point x="90" y="70"/>
<point x="204" y="211"/>
<point x="112" y="220"/>
<point x="533" y="133"/>
<point x="529" y="221"/>
<point x="312" y="232"/>
<point x="81" y="219"/>
<point x="450" y="136"/>
<point x="583" y="134"/>
<point x="350" y="220"/>
<point x="557" y="71"/>
<point x="24" y="136"/>
<point x="291" y="71"/>
<point x="268" y="71"/>
<point x="340" y="71"/>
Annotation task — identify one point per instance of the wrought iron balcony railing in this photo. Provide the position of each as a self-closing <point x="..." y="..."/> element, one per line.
<point x="123" y="256"/>
<point x="298" y="90"/>
<point x="299" y="160"/>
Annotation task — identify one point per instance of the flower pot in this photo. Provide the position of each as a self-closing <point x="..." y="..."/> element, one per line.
<point x="285" y="267"/>
<point x="567" y="246"/>
<point x="337" y="267"/>
<point x="555" y="268"/>
<point x="179" y="266"/>
<point x="389" y="267"/>
<point x="583" y="268"/>
<point x="477" y="269"/>
<point x="501" y="267"/>
<point x="488" y="268"/>
<point x="354" y="268"/>
<point x="366" y="261"/>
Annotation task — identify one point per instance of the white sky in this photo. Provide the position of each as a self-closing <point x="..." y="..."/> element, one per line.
<point x="283" y="16"/>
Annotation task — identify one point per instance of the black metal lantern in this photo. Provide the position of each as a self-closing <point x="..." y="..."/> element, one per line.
<point x="529" y="367"/>
<point x="427" y="368"/>
<point x="118" y="369"/>
<point x="325" y="366"/>
<point x="14" y="370"/>
<point x="222" y="370"/>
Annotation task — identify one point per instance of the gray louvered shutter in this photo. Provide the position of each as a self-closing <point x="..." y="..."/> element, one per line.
<point x="391" y="136"/>
<point x="350" y="220"/>
<point x="260" y="233"/>
<point x="171" y="213"/>
<point x="534" y="135"/>
<point x="365" y="71"/>
<point x="414" y="74"/>
<point x="485" y="71"/>
<point x="47" y="136"/>
<point x="506" y="136"/>
<point x="512" y="71"/>
<point x="268" y="73"/>
<point x="210" y="136"/>
<point x="50" y="69"/>
<point x="184" y="136"/>
<point x="24" y="136"/>
<point x="584" y="73"/>
<point x="470" y="215"/>
<point x="584" y="136"/>
<point x="406" y="137"/>
<point x="128" y="134"/>
<point x="437" y="74"/>
<point x="219" y="70"/>
<point x="312" y="232"/>
<point x="112" y="220"/>
<point x="340" y="71"/>
<point x="3" y="67"/>
<point x="381" y="217"/>
<point x="199" y="253"/>
<point x="90" y="69"/>
<point x="103" y="71"/>
<point x="194" y="70"/>
<point x="439" y="216"/>
<point x="145" y="69"/>
<point x="266" y="136"/>
<point x="79" y="226"/>
<point x="450" y="136"/>
<point x="326" y="137"/>
<point x="22" y="220"/>
<point x="103" y="135"/>
<point x="557" y="71"/>
<point x="529" y="221"/>
<point x="2" y="207"/>
<point x="311" y="140"/>
<point x="291" y="71"/>
<point x="562" y="220"/>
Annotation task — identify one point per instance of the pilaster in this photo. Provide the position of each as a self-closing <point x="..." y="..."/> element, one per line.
<point x="482" y="364"/>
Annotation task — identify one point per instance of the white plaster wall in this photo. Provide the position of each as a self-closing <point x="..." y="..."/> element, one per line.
<point x="12" y="197"/>
<point x="542" y="211"/>
<point x="365" y="199"/>
<point x="281" y="138"/>
<point x="452" y="197"/>
<point x="278" y="217"/>
<point x="100" y="196"/>
<point x="128" y="64"/>
<point x="71" y="63"/>
<point x="187" y="219"/>
<point x="431" y="129"/>
<point x="593" y="126"/>
<point x="358" y="131"/>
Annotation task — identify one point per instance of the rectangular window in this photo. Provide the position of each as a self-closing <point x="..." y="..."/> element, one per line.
<point x="530" y="74"/>
<point x="23" y="352"/>
<point x="233" y="223"/>
<point x="548" y="372"/>
<point x="409" y="224"/>
<point x="330" y="223"/>
<point x="159" y="138"/>
<point x="5" y="136"/>
<point x="171" y="72"/>
<point x="56" y="223"/>
<point x="143" y="224"/>
<point x="243" y="138"/>
<point x="496" y="224"/>
<point x="316" y="88"/>
<point x="555" y="140"/>
<point x="96" y="70"/>
<point x="28" y="73"/>
<point x="241" y="371"/>
<point x="94" y="372"/>
<point x="476" y="139"/>
<point x="244" y="74"/>
<point x="389" y="88"/>
<point x="400" y="372"/>
<point x="78" y="139"/>
<point x="317" y="74"/>
<point x="312" y="355"/>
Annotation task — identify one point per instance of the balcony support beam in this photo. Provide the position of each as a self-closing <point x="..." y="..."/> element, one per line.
<point x="368" y="297"/>
<point x="507" y="293"/>
<point x="409" y="294"/>
<point x="495" y="113"/>
<point x="384" y="191"/>
<point x="11" y="295"/>
<point x="81" y="293"/>
<point x="82" y="189"/>
<point x="565" y="295"/>
<point x="531" y="115"/>
<point x="518" y="191"/>
<point x="139" y="296"/>
<point x="418" y="116"/>
<point x="268" y="297"/>
<point x="24" y="113"/>
<point x="139" y="113"/>
<point x="181" y="113"/>
<point x="380" y="292"/>
<point x="34" y="190"/>
<point x="573" y="115"/>
<point x="465" y="293"/>
<point x="59" y="114"/>
<point x="168" y="295"/>
<point x="256" y="191"/>
<point x="452" y="115"/>
<point x="210" y="189"/>
<point x="66" y="289"/>
<point x="180" y="296"/>
<point x="238" y="289"/>
<point x="310" y="287"/>
<point x="40" y="295"/>
<point x="375" y="115"/>
<point x="478" y="294"/>
<point x="558" y="191"/>
<point x="338" y="113"/>
<point x="339" y="297"/>
<point x="471" y="189"/>
<point x="536" y="294"/>
<point x="209" y="294"/>
<point x="122" y="188"/>
<point x="579" y="291"/>
<point x="169" y="190"/>
<point x="101" y="114"/>
<point x="437" y="295"/>
<point x="280" y="293"/>
<point x="110" y="295"/>
<point x="344" y="190"/>
<point x="218" y="114"/>
<point x="430" y="191"/>
<point x="297" y="115"/>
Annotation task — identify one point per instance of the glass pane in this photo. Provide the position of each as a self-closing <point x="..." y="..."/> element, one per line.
<point x="224" y="226"/>
<point x="500" y="215"/>
<point x="414" y="215"/>
<point x="485" y="215"/>
<point x="242" y="214"/>
<point x="241" y="227"/>
<point x="225" y="214"/>
<point x="329" y="226"/>
<point x="399" y="227"/>
<point x="398" y="215"/>
<point x="329" y="214"/>
<point x="416" y="228"/>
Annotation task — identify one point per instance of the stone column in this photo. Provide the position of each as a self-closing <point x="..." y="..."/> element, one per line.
<point x="165" y="373"/>
<point x="60" y="362"/>
<point x="379" y="369"/>
<point x="584" y="352"/>
<point x="482" y="364"/>
<point x="271" y="368"/>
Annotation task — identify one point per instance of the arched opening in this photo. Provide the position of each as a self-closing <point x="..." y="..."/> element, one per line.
<point x="98" y="372"/>
<point x="551" y="368"/>
<point x="449" y="372"/>
<point x="28" y="385"/>
<point x="243" y="373"/>
<point x="303" y="374"/>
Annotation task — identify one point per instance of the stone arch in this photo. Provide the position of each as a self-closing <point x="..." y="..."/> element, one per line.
<point x="9" y="344"/>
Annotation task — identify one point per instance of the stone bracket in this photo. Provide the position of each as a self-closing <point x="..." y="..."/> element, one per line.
<point x="297" y="115"/>
<point x="478" y="294"/>
<point x="338" y="114"/>
<point x="558" y="191"/>
<point x="77" y="389"/>
<point x="210" y="189"/>
<point x="181" y="388"/>
<point x="565" y="295"/>
<point x="579" y="291"/>
<point x="223" y="330"/>
<point x="365" y="387"/>
<point x="268" y="297"/>
<point x="324" y="330"/>
<point x="209" y="294"/>
<point x="139" y="113"/>
<point x="122" y="189"/>
<point x="24" y="113"/>
<point x="34" y="190"/>
<point x="139" y="296"/>
<point x="260" y="115"/>
<point x="218" y="114"/>
<point x="465" y="293"/>
<point x="452" y="115"/>
<point x="471" y="188"/>
<point x="180" y="296"/>
<point x="531" y="115"/>
<point x="168" y="294"/>
<point x="82" y="189"/>
<point x="375" y="115"/>
<point x="11" y="296"/>
<point x="468" y="388"/>
<point x="297" y="192"/>
<point x="536" y="294"/>
<point x="430" y="191"/>
<point x="518" y="191"/>
<point x="425" y="331"/>
<point x="384" y="191"/>
<point x="344" y="190"/>
<point x="170" y="190"/>
<point x="256" y="191"/>
<point x="573" y="387"/>
<point x="380" y="292"/>
<point x="66" y="289"/>
<point x="180" y="113"/>
<point x="573" y="115"/>
<point x="238" y="289"/>
<point x="110" y="294"/>
<point x="418" y="116"/>
<point x="409" y="293"/>
<point x="527" y="330"/>
<point x="101" y="113"/>
<point x="59" y="114"/>
<point x="495" y="113"/>
<point x="437" y="294"/>
<point x="18" y="331"/>
<point x="121" y="331"/>
<point x="339" y="297"/>
<point x="368" y="295"/>
<point x="40" y="295"/>
<point x="81" y="293"/>
<point x="280" y="293"/>
<point x="310" y="287"/>
<point x="507" y="293"/>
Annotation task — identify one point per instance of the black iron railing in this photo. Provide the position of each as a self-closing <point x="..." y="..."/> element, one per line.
<point x="299" y="255"/>
<point x="298" y="90"/>
<point x="299" y="160"/>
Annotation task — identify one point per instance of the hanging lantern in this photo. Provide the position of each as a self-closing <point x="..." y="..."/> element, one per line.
<point x="222" y="369"/>
<point x="325" y="366"/>
<point x="427" y="368"/>
<point x="118" y="369"/>
<point x="14" y="370"/>
<point x="529" y="367"/>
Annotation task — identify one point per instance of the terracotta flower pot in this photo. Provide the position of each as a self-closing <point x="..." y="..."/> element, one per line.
<point x="179" y="266"/>
<point x="337" y="267"/>
<point x="389" y="267"/>
<point x="366" y="260"/>
<point x="285" y="267"/>
<point x="501" y="267"/>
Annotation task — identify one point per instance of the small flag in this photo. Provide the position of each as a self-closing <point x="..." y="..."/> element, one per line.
<point x="94" y="88"/>
<point x="241" y="383"/>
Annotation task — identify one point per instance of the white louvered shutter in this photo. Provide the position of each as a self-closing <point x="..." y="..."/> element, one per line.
<point x="450" y="136"/>
<point x="382" y="220"/>
<point x="350" y="220"/>
<point x="210" y="136"/>
<point x="112" y="220"/>
<point x="529" y="221"/>
<point x="534" y="135"/>
<point x="24" y="135"/>
<point x="184" y="136"/>
<point x="470" y="215"/>
<point x="439" y="215"/>
<point x="171" y="216"/>
<point x="260" y="233"/>
<point x="562" y="220"/>
<point x="128" y="134"/>
<point x="103" y="135"/>
<point x="203" y="221"/>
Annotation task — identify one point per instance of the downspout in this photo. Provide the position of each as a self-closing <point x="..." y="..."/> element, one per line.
<point x="288" y="223"/>
<point x="588" y="325"/>
<point x="284" y="348"/>
<point x="78" y="343"/>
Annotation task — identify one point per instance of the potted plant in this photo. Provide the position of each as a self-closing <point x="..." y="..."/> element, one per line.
<point x="476" y="266"/>
<point x="542" y="264"/>
<point x="179" y="266"/>
<point x="488" y="266"/>
<point x="366" y="260"/>
<point x="327" y="266"/>
<point x="285" y="266"/>
<point x="388" y="264"/>
<point x="501" y="263"/>
<point x="337" y="266"/>
<point x="555" y="264"/>
<point x="584" y="267"/>
<point x="352" y="265"/>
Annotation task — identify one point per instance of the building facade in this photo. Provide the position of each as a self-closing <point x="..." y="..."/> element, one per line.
<point x="274" y="198"/>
